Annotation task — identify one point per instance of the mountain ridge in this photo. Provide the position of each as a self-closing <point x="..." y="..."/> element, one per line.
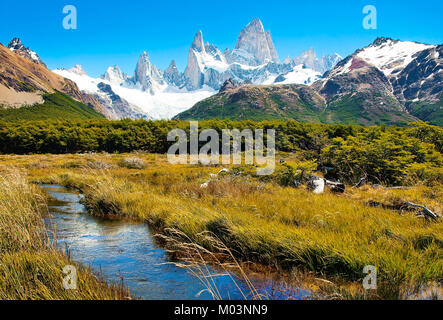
<point x="25" y="80"/>
<point x="387" y="82"/>
<point x="155" y="92"/>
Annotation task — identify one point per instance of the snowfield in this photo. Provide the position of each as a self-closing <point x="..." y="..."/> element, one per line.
<point x="300" y="75"/>
<point x="392" y="56"/>
<point x="164" y="104"/>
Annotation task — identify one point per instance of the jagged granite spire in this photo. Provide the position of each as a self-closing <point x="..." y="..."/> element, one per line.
<point x="173" y="76"/>
<point x="254" y="40"/>
<point x="198" y="43"/>
<point x="115" y="75"/>
<point x="193" y="71"/>
<point x="146" y="74"/>
<point x="271" y="46"/>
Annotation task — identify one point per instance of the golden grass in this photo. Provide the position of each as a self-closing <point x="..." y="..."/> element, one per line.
<point x="30" y="268"/>
<point x="329" y="234"/>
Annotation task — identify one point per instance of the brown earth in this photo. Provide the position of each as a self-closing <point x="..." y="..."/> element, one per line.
<point x="23" y="82"/>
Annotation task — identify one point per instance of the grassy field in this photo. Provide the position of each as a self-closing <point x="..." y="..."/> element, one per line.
<point x="30" y="268"/>
<point x="329" y="235"/>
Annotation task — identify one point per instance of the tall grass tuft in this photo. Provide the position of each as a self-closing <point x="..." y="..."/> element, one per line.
<point x="30" y="268"/>
<point x="198" y="259"/>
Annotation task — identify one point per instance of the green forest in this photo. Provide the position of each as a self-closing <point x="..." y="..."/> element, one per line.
<point x="387" y="154"/>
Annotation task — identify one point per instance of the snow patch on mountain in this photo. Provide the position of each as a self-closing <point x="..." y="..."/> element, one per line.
<point x="300" y="75"/>
<point x="167" y="103"/>
<point x="391" y="56"/>
<point x="164" y="104"/>
<point x="16" y="46"/>
<point x="115" y="75"/>
<point x="163" y="94"/>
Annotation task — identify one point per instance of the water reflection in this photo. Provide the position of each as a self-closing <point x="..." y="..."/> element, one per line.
<point x="120" y="248"/>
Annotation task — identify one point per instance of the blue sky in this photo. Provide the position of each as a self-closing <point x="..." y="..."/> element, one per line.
<point x="116" y="32"/>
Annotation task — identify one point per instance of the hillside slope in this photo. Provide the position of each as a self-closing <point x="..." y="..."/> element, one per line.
<point x="23" y="83"/>
<point x="359" y="93"/>
<point x="388" y="82"/>
<point x="302" y="103"/>
<point x="56" y="105"/>
<point x="258" y="102"/>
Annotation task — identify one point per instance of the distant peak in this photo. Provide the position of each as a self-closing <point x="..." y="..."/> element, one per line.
<point x="380" y="40"/>
<point x="114" y="68"/>
<point x="198" y="43"/>
<point x="15" y="43"/>
<point x="254" y="40"/>
<point x="256" y="21"/>
<point x="17" y="47"/>
<point x="287" y="60"/>
<point x="78" y="69"/>
<point x="255" y="26"/>
<point x="173" y="64"/>
<point x="144" y="58"/>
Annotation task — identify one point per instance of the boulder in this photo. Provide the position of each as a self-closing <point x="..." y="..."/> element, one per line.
<point x="316" y="185"/>
<point x="336" y="186"/>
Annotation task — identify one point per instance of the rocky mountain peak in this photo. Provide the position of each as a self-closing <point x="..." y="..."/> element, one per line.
<point x="271" y="46"/>
<point x="115" y="75"/>
<point x="307" y="58"/>
<point x="173" y="76"/>
<point x="198" y="43"/>
<point x="254" y="40"/>
<point x="16" y="44"/>
<point x="78" y="69"/>
<point x="287" y="60"/>
<point x="17" y="47"/>
<point x="193" y="72"/>
<point x="381" y="40"/>
<point x="172" y="65"/>
<point x="255" y="26"/>
<point x="310" y="60"/>
<point x="146" y="74"/>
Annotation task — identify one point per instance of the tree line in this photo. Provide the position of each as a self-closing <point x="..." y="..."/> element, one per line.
<point x="388" y="154"/>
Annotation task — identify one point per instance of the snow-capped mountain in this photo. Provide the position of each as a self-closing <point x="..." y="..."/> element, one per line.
<point x="159" y="94"/>
<point x="254" y="60"/>
<point x="147" y="76"/>
<point x="309" y="60"/>
<point x="422" y="79"/>
<point x="257" y="43"/>
<point x="127" y="99"/>
<point x="16" y="46"/>
<point x="389" y="79"/>
<point x="115" y="75"/>
<point x="390" y="82"/>
<point x="114" y="106"/>
<point x="391" y="56"/>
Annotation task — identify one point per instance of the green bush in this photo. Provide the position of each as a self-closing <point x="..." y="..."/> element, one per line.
<point x="387" y="154"/>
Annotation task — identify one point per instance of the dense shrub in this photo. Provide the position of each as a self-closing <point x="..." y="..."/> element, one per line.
<point x="389" y="155"/>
